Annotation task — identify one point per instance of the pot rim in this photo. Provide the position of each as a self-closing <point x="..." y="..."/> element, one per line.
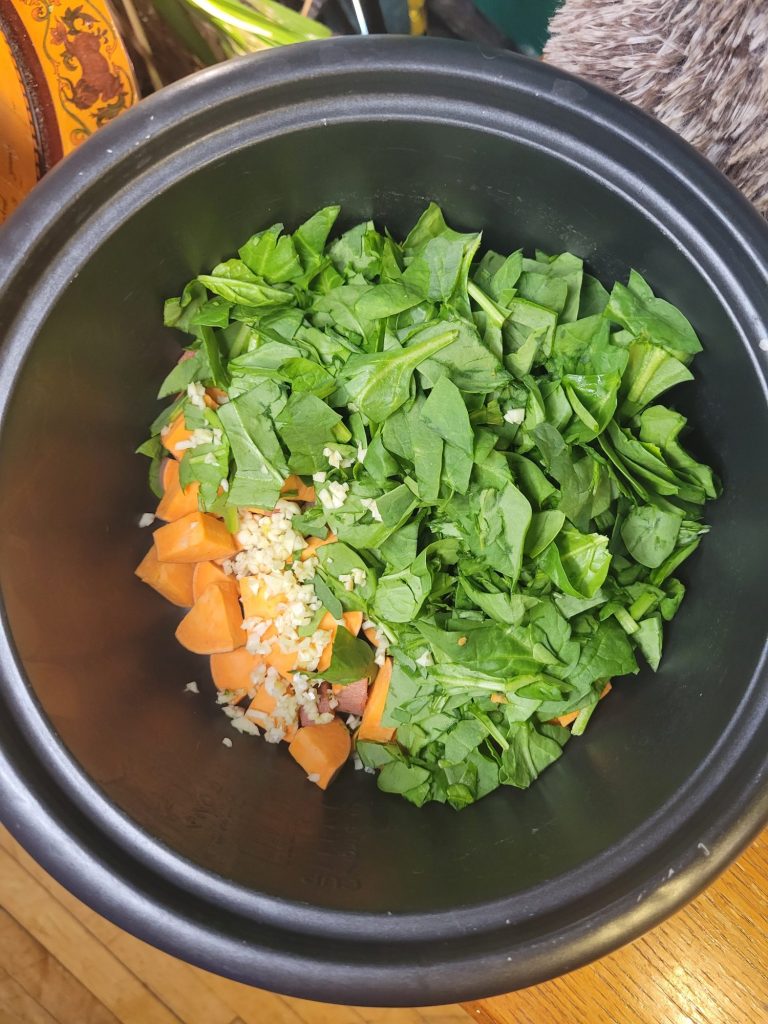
<point x="48" y="802"/>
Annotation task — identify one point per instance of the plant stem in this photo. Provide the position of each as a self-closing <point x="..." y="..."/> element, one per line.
<point x="236" y="18"/>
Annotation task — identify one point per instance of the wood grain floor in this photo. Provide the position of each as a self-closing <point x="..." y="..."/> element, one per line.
<point x="61" y="963"/>
<point x="708" y="964"/>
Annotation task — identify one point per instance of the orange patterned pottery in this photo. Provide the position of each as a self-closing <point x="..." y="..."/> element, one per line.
<point x="64" y="72"/>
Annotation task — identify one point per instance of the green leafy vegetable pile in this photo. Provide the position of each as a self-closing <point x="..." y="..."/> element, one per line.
<point x="502" y="472"/>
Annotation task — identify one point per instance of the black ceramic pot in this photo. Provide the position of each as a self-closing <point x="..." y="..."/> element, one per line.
<point x="116" y="780"/>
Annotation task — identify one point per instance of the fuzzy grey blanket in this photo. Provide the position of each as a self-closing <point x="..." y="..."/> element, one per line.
<point x="701" y="66"/>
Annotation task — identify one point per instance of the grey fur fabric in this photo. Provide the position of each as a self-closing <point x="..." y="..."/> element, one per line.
<point x="700" y="66"/>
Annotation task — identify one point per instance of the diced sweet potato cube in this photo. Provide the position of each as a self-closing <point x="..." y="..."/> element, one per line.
<point x="371" y="634"/>
<point x="371" y="727"/>
<point x="565" y="719"/>
<point x="256" y="603"/>
<point x="171" y="579"/>
<point x="216" y="395"/>
<point x="176" y="433"/>
<point x="294" y="489"/>
<point x="214" y="624"/>
<point x="313" y="543"/>
<point x="196" y="537"/>
<point x="322" y="750"/>
<point x="176" y="502"/>
<point x="328" y="623"/>
<point x="231" y="670"/>
<point x="205" y="573"/>
<point x="285" y="662"/>
<point x="264" y="703"/>
<point x="571" y="716"/>
<point x="352" y="621"/>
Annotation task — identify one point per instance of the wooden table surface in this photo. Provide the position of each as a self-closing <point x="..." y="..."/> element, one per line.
<point x="61" y="963"/>
<point x="706" y="965"/>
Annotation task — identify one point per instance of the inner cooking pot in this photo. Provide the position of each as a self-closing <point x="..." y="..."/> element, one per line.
<point x="116" y="779"/>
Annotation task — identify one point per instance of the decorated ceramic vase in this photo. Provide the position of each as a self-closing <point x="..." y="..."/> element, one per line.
<point x="64" y="72"/>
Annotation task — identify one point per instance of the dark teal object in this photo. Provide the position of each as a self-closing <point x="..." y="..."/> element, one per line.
<point x="395" y="14"/>
<point x="526" y="22"/>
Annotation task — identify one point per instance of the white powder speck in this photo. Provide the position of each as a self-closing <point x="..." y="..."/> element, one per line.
<point x="227" y="742"/>
<point x="146" y="519"/>
<point x="192" y="687"/>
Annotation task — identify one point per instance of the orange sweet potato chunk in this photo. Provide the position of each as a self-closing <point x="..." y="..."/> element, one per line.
<point x="371" y="727"/>
<point x="214" y="623"/>
<point x="352" y="620"/>
<point x="205" y="573"/>
<point x="196" y="537"/>
<point x="571" y="716"/>
<point x="264" y="703"/>
<point x="171" y="579"/>
<point x="177" y="432"/>
<point x="313" y="543"/>
<point x="322" y="750"/>
<point x="256" y="603"/>
<point x="284" y="661"/>
<point x="231" y="670"/>
<point x="294" y="489"/>
<point x="176" y="502"/>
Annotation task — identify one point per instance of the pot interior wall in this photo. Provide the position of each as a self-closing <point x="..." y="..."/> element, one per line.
<point x="98" y="647"/>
